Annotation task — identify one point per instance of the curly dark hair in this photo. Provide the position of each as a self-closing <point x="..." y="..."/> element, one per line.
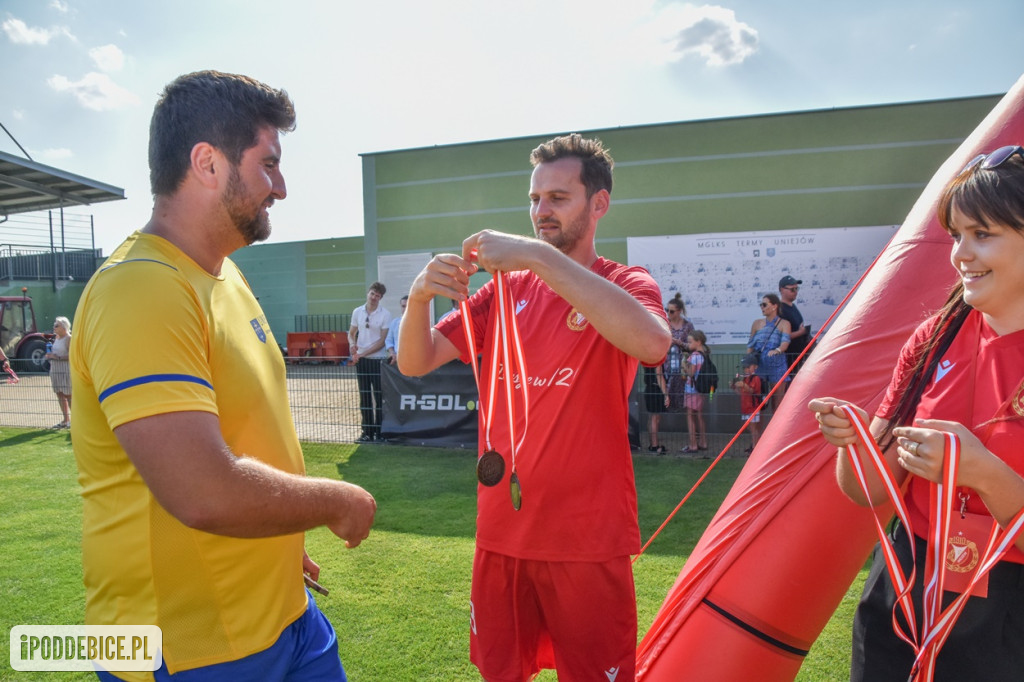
<point x="597" y="163"/>
<point x="224" y="109"/>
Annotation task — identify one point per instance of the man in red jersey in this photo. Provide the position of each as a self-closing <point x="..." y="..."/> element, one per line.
<point x="552" y="582"/>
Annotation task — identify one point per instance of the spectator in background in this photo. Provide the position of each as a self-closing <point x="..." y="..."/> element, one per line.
<point x="680" y="327"/>
<point x="366" y="349"/>
<point x="391" y="341"/>
<point x="656" y="400"/>
<point x="60" y="373"/>
<point x="748" y="385"/>
<point x="769" y="338"/>
<point x="697" y="344"/>
<point x="799" y="334"/>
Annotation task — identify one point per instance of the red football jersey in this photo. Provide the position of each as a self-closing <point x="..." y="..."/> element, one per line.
<point x="574" y="466"/>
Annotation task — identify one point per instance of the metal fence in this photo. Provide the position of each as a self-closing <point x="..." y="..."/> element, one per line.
<point x="324" y="400"/>
<point x="28" y="262"/>
<point x="322" y="323"/>
<point x="48" y="245"/>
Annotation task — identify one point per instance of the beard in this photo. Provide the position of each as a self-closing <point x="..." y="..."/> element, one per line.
<point x="253" y="227"/>
<point x="569" y="234"/>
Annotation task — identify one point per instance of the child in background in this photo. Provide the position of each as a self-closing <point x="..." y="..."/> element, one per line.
<point x="748" y="385"/>
<point x="656" y="401"/>
<point x="696" y="343"/>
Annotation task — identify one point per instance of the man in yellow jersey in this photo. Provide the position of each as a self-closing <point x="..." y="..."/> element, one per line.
<point x="194" y="487"/>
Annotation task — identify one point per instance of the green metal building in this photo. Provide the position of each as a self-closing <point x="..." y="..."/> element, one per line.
<point x="801" y="170"/>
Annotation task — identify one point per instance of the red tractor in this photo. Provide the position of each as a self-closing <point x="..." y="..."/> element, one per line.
<point x="19" y="336"/>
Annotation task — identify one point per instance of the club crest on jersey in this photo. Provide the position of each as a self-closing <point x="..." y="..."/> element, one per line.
<point x="575" y="321"/>
<point x="962" y="555"/>
<point x="257" y="326"/>
<point x="1018" y="401"/>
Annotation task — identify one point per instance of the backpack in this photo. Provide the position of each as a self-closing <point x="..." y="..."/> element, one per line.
<point x="706" y="380"/>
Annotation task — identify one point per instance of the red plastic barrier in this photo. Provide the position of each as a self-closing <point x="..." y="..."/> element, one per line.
<point x="779" y="555"/>
<point x="317" y="346"/>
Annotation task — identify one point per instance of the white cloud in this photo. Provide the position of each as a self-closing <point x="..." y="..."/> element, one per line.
<point x="18" y="114"/>
<point x="61" y="7"/>
<point x="107" y="57"/>
<point x="20" y="33"/>
<point x="709" y="32"/>
<point x="95" y="91"/>
<point x="714" y="34"/>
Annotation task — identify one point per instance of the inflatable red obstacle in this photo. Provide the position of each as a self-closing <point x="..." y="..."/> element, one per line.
<point x="786" y="544"/>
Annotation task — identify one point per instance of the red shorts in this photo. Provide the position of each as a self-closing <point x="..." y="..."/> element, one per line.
<point x="577" y="617"/>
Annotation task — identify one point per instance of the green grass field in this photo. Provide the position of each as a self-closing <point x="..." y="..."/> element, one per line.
<point x="400" y="600"/>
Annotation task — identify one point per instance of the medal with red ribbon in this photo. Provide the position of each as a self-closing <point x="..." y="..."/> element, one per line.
<point x="13" y="379"/>
<point x="507" y="362"/>
<point x="937" y="623"/>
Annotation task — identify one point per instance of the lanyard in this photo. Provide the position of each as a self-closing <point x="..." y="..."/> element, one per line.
<point x="508" y="348"/>
<point x="936" y="623"/>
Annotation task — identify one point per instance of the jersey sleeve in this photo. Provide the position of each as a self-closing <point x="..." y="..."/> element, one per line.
<point x="146" y="344"/>
<point x="641" y="286"/>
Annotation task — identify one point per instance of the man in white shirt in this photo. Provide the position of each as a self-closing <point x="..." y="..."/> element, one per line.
<point x="366" y="350"/>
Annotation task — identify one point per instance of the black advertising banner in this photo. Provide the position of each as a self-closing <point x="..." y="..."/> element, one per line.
<point x="438" y="409"/>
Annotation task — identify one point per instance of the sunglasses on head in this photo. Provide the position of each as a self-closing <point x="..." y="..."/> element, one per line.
<point x="994" y="159"/>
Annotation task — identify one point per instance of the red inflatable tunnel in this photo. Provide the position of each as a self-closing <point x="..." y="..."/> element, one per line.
<point x="784" y="547"/>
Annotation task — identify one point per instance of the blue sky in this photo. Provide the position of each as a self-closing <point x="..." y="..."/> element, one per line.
<point x="78" y="78"/>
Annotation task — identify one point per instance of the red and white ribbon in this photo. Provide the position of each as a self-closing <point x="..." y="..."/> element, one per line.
<point x="508" y="348"/>
<point x="936" y="623"/>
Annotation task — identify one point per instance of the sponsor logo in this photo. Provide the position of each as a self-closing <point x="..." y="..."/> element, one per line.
<point x="575" y="321"/>
<point x="611" y="674"/>
<point x="435" y="402"/>
<point x="943" y="369"/>
<point x="520" y="305"/>
<point x="961" y="555"/>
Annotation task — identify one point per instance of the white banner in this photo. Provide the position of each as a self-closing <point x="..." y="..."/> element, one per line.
<point x="722" y="277"/>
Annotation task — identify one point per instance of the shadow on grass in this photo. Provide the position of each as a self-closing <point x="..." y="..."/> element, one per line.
<point x="432" y="491"/>
<point x="31" y="437"/>
<point x="429" y="491"/>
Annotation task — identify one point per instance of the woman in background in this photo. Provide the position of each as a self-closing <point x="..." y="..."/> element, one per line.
<point x="677" y="352"/>
<point x="60" y="374"/>
<point x="769" y="338"/>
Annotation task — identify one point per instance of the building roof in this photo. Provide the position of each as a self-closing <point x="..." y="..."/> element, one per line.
<point x="29" y="186"/>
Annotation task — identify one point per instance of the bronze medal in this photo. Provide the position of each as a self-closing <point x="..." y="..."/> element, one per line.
<point x="490" y="468"/>
<point x="516" y="491"/>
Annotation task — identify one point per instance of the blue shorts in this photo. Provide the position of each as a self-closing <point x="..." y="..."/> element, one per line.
<point x="306" y="650"/>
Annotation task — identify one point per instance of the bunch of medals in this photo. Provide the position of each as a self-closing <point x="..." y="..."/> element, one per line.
<point x="490" y="467"/>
